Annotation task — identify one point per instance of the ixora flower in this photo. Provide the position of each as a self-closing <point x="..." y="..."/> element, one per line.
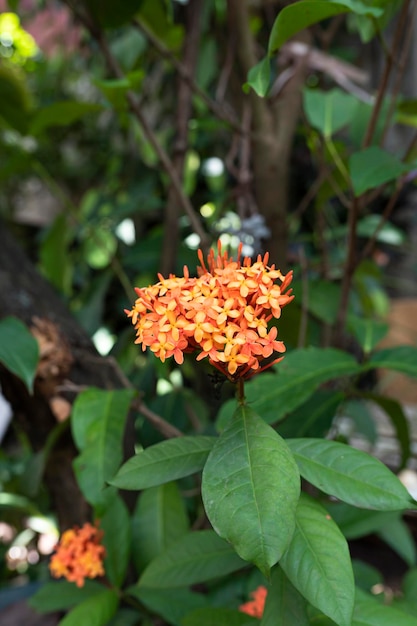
<point x="222" y="314"/>
<point x="255" y="607"/>
<point x="79" y="555"/>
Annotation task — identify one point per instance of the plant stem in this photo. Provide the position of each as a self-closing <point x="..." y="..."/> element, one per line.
<point x="240" y="391"/>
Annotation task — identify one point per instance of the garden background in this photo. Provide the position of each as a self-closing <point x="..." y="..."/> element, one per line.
<point x="131" y="135"/>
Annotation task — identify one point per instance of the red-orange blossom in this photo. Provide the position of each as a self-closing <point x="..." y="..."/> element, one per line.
<point x="223" y="314"/>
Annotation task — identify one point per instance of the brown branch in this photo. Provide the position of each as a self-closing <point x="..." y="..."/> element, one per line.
<point x="182" y="117"/>
<point x="157" y="421"/>
<point x="187" y="76"/>
<point x="389" y="63"/>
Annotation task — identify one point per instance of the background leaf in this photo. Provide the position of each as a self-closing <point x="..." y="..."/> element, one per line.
<point x="197" y="557"/>
<point x="250" y="489"/>
<point x="400" y="358"/>
<point x="318" y="564"/>
<point x="62" y="595"/>
<point x="98" y="422"/>
<point x="373" y="167"/>
<point x="297" y="377"/>
<point x="328" y="111"/>
<point x="164" y="462"/>
<point x="19" y="350"/>
<point x="159" y="520"/>
<point x="95" y="611"/>
<point x="259" y="77"/>
<point x="284" y="604"/>
<point x="115" y="523"/>
<point x="215" y="616"/>
<point x="348" y="474"/>
<point x="371" y="613"/>
<point x="171" y="604"/>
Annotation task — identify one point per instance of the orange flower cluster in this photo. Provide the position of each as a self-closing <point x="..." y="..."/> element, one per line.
<point x="79" y="555"/>
<point x="223" y="313"/>
<point x="256" y="606"/>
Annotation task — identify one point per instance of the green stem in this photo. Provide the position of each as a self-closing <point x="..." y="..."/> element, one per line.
<point x="240" y="391"/>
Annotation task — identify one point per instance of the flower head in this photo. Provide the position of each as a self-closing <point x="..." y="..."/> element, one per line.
<point x="255" y="607"/>
<point x="79" y="555"/>
<point x="221" y="314"/>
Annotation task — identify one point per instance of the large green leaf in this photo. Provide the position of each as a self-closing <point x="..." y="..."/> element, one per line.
<point x="373" y="167"/>
<point x="19" y="350"/>
<point x="349" y="474"/>
<point x="328" y="111"/>
<point x="297" y="16"/>
<point x="163" y="462"/>
<point x="62" y="595"/>
<point x="250" y="489"/>
<point x="284" y="604"/>
<point x="396" y="414"/>
<point x="95" y="611"/>
<point x="317" y="562"/>
<point x="98" y="422"/>
<point x="298" y="376"/>
<point x="171" y="604"/>
<point x="355" y="523"/>
<point x="371" y="613"/>
<point x="61" y="114"/>
<point x="159" y="520"/>
<point x="398" y="536"/>
<point x="196" y="558"/>
<point x="314" y="418"/>
<point x="115" y="523"/>
<point x="216" y="616"/>
<point x="400" y="358"/>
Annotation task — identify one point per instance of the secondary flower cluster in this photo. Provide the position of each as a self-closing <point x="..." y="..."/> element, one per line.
<point x="255" y="607"/>
<point x="79" y="555"/>
<point x="223" y="313"/>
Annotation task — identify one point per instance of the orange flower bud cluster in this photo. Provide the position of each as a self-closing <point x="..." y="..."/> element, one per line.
<point x="256" y="606"/>
<point x="223" y="314"/>
<point x="79" y="555"/>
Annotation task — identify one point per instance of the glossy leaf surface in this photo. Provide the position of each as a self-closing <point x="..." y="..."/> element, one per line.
<point x="349" y="474"/>
<point x="250" y="489"/>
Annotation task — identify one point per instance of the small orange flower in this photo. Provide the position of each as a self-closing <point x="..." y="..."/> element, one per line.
<point x="79" y="555"/>
<point x="222" y="314"/>
<point x="256" y="606"/>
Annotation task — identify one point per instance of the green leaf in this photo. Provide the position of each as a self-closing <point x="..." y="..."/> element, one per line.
<point x="98" y="422"/>
<point x="294" y="18"/>
<point x="113" y="15"/>
<point x="62" y="595"/>
<point x="259" y="77"/>
<point x="314" y="418"/>
<point x="215" y="616"/>
<point x="61" y="114"/>
<point x="368" y="332"/>
<point x="159" y="520"/>
<point x="117" y="540"/>
<point x="328" y="111"/>
<point x="171" y="604"/>
<point x="349" y="474"/>
<point x="395" y="412"/>
<point x="387" y="232"/>
<point x="317" y="562"/>
<point x="400" y="358"/>
<point x="250" y="481"/>
<point x="95" y="611"/>
<point x="355" y="523"/>
<point x="54" y="258"/>
<point x="298" y="376"/>
<point x="399" y="537"/>
<point x="371" y="613"/>
<point x="284" y="604"/>
<point x="19" y="350"/>
<point x="196" y="558"/>
<point x="373" y="167"/>
<point x="164" y="462"/>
